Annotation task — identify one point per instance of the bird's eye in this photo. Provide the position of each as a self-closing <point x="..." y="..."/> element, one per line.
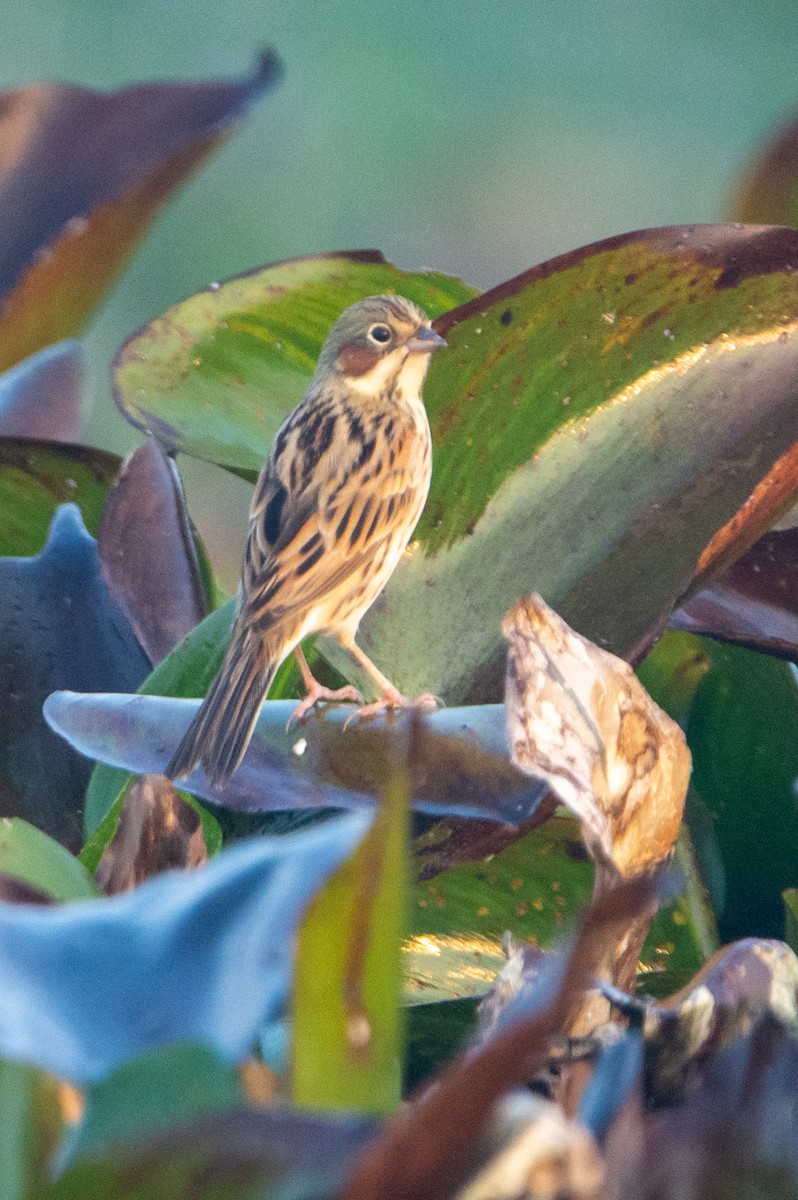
<point x="380" y="334"/>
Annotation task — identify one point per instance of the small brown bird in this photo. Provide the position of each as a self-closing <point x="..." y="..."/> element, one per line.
<point x="334" y="509"/>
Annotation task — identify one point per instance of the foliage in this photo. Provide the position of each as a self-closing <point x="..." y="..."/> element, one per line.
<point x="617" y="429"/>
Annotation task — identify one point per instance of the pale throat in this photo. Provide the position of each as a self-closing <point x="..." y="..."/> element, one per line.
<point x="406" y="374"/>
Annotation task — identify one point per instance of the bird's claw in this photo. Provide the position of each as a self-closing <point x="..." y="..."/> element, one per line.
<point x="390" y="701"/>
<point x="342" y="695"/>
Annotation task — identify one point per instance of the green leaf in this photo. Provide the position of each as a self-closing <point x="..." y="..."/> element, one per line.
<point x="535" y="889"/>
<point x="30" y="855"/>
<point x="35" y="477"/>
<point x="216" y="374"/>
<point x="28" y="1131"/>
<point x="743" y="734"/>
<point x="156" y="1091"/>
<point x="435" y="1033"/>
<point x="790" y="897"/>
<point x="230" y="1155"/>
<point x="187" y="671"/>
<point x="683" y="934"/>
<point x="672" y="672"/>
<point x="347" y="1028"/>
<point x="596" y="421"/>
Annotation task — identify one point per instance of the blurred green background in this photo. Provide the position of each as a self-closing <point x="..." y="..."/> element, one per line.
<point x="475" y="138"/>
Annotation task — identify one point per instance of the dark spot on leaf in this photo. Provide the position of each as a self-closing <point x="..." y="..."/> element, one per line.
<point x="771" y="252"/>
<point x="630" y="279"/>
<point x="506" y="316"/>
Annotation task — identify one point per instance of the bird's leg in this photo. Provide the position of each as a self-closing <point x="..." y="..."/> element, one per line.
<point x="316" y="691"/>
<point x="390" y="697"/>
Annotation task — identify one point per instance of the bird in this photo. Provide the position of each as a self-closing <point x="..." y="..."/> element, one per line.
<point x="333" y="511"/>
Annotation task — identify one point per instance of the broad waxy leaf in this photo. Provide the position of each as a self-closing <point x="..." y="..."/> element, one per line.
<point x="148" y="552"/>
<point x="593" y="424"/>
<point x="59" y="626"/>
<point x="187" y="672"/>
<point x="41" y="397"/>
<point x="237" y="1155"/>
<point x="37" y="476"/>
<point x="29" y="1130"/>
<point x="158" y="1090"/>
<point x="459" y="761"/>
<point x="29" y="855"/>
<point x="534" y="889"/>
<point x="596" y="422"/>
<point x="754" y="602"/>
<point x="82" y="176"/>
<point x="347" y="1029"/>
<point x="188" y="956"/>
<point x="216" y="374"/>
<point x="743" y="733"/>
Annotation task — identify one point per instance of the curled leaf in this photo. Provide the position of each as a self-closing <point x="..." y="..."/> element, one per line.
<point x="41" y="397"/>
<point x="736" y="986"/>
<point x="82" y="176"/>
<point x="754" y="601"/>
<point x="578" y="717"/>
<point x="59" y="626"/>
<point x="188" y="956"/>
<point x="459" y="760"/>
<point x="148" y="554"/>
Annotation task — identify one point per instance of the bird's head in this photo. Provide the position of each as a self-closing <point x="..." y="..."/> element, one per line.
<point x="379" y="341"/>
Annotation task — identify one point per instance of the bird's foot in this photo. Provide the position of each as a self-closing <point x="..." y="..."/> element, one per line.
<point x="317" y="692"/>
<point x="390" y="700"/>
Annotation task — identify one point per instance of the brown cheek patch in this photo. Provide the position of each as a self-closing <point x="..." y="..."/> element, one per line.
<point x="357" y="360"/>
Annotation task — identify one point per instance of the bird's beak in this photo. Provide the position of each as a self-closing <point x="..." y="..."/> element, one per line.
<point x="424" y="341"/>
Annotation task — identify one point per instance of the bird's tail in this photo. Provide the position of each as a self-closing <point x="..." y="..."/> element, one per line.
<point x="219" y="734"/>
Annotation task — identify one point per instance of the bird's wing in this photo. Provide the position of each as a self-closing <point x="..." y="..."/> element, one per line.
<point x="318" y="518"/>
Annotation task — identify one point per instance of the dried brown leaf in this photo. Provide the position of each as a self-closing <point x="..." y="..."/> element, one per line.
<point x="157" y="832"/>
<point x="579" y="718"/>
